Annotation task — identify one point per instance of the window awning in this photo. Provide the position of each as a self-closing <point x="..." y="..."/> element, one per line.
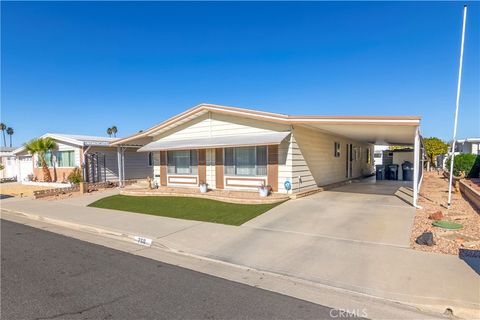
<point x="256" y="139"/>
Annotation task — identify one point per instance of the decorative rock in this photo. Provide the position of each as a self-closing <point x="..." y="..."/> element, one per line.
<point x="437" y="215"/>
<point x="426" y="239"/>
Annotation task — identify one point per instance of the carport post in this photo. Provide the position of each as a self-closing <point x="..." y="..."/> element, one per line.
<point x="119" y="163"/>
<point x="416" y="166"/>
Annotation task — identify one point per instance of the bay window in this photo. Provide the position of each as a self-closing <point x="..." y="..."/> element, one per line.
<point x="182" y="162"/>
<point x="246" y="161"/>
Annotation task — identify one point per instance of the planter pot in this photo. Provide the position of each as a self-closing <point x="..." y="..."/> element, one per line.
<point x="263" y="192"/>
<point x="203" y="188"/>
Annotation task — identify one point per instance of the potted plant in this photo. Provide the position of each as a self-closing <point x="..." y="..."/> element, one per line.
<point x="203" y="187"/>
<point x="264" y="190"/>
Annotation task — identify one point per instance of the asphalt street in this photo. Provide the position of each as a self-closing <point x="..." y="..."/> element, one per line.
<point x="49" y="276"/>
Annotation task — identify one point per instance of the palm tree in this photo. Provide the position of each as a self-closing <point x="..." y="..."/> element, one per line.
<point x="40" y="147"/>
<point x="10" y="133"/>
<point x="3" y="127"/>
<point x="114" y="131"/>
<point x="109" y="132"/>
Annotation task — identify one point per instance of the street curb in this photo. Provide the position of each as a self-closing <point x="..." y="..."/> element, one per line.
<point x="468" y="309"/>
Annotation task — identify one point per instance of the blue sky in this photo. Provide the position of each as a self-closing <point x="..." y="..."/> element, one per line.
<point x="82" y="67"/>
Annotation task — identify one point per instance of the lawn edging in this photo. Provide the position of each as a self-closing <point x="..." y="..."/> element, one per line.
<point x="208" y="195"/>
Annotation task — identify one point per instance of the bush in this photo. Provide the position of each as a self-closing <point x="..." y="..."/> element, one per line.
<point x="75" y="176"/>
<point x="466" y="162"/>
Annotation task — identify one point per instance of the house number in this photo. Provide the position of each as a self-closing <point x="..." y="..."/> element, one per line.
<point x="143" y="241"/>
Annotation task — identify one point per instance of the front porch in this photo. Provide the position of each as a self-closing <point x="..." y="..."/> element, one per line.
<point x="231" y="196"/>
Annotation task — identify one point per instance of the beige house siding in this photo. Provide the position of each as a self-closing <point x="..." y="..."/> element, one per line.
<point x="314" y="163"/>
<point x="214" y="125"/>
<point x="284" y="164"/>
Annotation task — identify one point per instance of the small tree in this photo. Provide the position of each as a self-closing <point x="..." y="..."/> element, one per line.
<point x="40" y="147"/>
<point x="75" y="176"/>
<point x="433" y="148"/>
<point x="109" y="132"/>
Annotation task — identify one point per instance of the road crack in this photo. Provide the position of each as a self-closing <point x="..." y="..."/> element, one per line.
<point x="82" y="310"/>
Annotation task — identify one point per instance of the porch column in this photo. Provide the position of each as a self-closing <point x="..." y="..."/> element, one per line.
<point x="163" y="168"/>
<point x="219" y="168"/>
<point x="272" y="167"/>
<point x="202" y="166"/>
<point x="416" y="166"/>
<point x="119" y="164"/>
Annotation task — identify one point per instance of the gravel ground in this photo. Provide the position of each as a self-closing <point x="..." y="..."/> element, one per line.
<point x="433" y="197"/>
<point x="16" y="188"/>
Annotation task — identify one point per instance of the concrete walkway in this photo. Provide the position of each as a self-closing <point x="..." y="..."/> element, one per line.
<point x="385" y="271"/>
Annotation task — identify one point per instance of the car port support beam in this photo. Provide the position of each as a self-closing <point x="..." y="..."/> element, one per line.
<point x="120" y="166"/>
<point x="416" y="167"/>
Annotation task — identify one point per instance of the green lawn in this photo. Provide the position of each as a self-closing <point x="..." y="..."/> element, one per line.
<point x="186" y="208"/>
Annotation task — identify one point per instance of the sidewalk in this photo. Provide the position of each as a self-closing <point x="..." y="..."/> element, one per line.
<point x="393" y="273"/>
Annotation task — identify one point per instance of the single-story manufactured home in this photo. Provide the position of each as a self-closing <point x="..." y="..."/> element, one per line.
<point x="240" y="149"/>
<point x="469" y="145"/>
<point x="98" y="159"/>
<point x="8" y="161"/>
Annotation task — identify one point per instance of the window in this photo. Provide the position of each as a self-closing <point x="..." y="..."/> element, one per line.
<point x="246" y="161"/>
<point x="65" y="159"/>
<point x="150" y="159"/>
<point x="182" y="162"/>
<point x="336" y="150"/>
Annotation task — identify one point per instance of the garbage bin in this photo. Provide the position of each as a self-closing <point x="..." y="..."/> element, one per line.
<point x="407" y="171"/>
<point x="392" y="172"/>
<point x="380" y="169"/>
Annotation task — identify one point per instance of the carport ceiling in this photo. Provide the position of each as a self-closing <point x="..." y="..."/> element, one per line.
<point x="376" y="133"/>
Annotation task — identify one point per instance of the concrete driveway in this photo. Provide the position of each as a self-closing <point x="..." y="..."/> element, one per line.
<point x="366" y="211"/>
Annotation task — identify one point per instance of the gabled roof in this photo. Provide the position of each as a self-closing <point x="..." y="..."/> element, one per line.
<point x="268" y="116"/>
<point x="78" y="140"/>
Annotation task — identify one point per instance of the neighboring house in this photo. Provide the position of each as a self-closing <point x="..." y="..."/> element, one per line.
<point x="9" y="163"/>
<point x="98" y="160"/>
<point x="240" y="149"/>
<point x="469" y="145"/>
<point x="398" y="157"/>
<point x="378" y="154"/>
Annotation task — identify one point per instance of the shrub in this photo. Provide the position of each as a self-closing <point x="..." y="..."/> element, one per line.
<point x="466" y="162"/>
<point x="75" y="176"/>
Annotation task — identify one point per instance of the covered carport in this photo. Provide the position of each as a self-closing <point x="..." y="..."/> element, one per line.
<point x="380" y="130"/>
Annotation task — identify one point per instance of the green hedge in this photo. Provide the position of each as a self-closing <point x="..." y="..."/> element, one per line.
<point x="466" y="162"/>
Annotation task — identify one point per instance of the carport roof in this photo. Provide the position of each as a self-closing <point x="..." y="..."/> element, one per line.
<point x="398" y="130"/>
